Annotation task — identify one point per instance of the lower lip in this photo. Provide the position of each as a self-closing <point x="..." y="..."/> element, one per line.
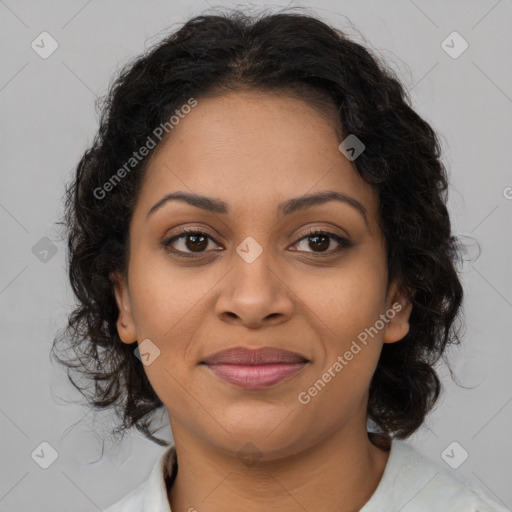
<point x="257" y="376"/>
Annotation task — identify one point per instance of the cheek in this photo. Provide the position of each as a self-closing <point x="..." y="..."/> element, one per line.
<point x="164" y="297"/>
<point x="167" y="309"/>
<point x="346" y="309"/>
<point x="345" y="314"/>
<point x="347" y="302"/>
<point x="169" y="306"/>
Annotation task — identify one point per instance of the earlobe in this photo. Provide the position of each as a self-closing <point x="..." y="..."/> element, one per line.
<point x="125" y="323"/>
<point x="399" y="311"/>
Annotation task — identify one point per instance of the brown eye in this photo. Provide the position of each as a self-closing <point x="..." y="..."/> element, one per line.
<point x="320" y="241"/>
<point x="191" y="241"/>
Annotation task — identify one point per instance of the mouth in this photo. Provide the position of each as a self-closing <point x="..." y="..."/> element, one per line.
<point x="255" y="368"/>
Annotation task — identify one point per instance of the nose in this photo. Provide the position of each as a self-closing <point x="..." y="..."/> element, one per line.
<point x="255" y="294"/>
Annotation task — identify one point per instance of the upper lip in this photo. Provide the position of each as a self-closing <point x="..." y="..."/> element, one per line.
<point x="251" y="356"/>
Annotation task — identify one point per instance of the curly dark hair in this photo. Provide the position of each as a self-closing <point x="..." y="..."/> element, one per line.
<point x="300" y="55"/>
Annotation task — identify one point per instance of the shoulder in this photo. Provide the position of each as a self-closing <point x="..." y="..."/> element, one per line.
<point x="132" y="502"/>
<point x="151" y="494"/>
<point x="413" y="483"/>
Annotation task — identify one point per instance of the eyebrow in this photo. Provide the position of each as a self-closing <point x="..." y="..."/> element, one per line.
<point x="286" y="208"/>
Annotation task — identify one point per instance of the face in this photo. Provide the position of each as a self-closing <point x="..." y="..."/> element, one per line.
<point x="258" y="274"/>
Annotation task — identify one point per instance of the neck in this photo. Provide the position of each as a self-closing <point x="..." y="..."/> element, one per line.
<point x="339" y="473"/>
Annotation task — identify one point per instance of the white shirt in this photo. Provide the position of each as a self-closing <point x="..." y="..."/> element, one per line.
<point x="410" y="483"/>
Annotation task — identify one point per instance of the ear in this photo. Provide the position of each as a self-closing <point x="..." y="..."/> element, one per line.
<point x="399" y="308"/>
<point x="125" y="322"/>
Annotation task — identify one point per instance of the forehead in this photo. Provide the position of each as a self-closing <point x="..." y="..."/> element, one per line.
<point x="253" y="150"/>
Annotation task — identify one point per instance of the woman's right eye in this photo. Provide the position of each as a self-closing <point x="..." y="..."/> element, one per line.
<point x="192" y="241"/>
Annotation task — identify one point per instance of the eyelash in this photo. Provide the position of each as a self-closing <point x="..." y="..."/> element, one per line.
<point x="183" y="233"/>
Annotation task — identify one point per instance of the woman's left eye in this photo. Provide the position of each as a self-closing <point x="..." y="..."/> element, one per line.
<point x="321" y="240"/>
<point x="197" y="241"/>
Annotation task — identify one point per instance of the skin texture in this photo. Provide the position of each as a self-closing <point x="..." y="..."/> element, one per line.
<point x="254" y="150"/>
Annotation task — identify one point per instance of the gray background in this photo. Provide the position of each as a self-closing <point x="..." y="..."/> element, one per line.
<point x="48" y="120"/>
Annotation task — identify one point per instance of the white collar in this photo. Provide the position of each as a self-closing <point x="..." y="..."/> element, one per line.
<point x="408" y="478"/>
<point x="155" y="492"/>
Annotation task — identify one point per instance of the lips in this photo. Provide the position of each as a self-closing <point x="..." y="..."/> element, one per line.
<point x="255" y="368"/>
<point x="252" y="357"/>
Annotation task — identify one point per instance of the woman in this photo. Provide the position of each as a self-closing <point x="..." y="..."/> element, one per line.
<point x="259" y="241"/>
